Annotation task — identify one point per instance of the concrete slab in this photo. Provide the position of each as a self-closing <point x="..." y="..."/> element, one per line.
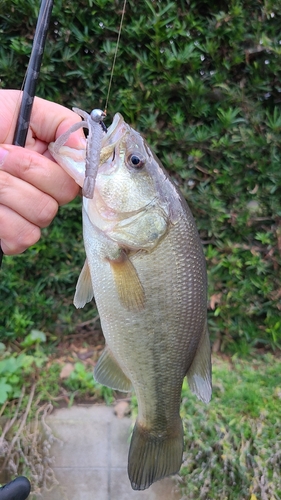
<point x="89" y="449"/>
<point x="120" y="434"/>
<point x="78" y="484"/>
<point x="90" y="461"/>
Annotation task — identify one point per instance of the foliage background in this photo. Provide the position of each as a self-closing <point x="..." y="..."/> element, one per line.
<point x="201" y="80"/>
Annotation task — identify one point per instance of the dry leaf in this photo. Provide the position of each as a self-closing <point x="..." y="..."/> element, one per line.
<point x="67" y="369"/>
<point x="85" y="355"/>
<point x="215" y="299"/>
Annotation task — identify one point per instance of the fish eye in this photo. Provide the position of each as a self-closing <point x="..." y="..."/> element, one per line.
<point x="135" y="161"/>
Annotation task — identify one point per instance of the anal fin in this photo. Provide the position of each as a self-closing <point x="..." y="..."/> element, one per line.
<point x="108" y="372"/>
<point x="128" y="285"/>
<point x="84" y="288"/>
<point x="199" y="375"/>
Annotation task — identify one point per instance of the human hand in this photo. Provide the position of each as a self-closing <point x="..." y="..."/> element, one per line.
<point x="32" y="185"/>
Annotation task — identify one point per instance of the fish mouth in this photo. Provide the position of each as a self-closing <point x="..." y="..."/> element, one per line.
<point x="115" y="132"/>
<point x="115" y="136"/>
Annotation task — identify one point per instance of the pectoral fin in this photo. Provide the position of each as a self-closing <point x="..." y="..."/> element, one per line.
<point x="84" y="288"/>
<point x="128" y="285"/>
<point x="108" y="372"/>
<point x="199" y="375"/>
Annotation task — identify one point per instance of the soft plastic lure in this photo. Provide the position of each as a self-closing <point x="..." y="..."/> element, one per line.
<point x="94" y="123"/>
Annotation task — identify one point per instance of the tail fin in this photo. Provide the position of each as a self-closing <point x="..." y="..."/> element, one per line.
<point x="152" y="456"/>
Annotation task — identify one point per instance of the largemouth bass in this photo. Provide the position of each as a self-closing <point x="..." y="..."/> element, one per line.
<point x="146" y="269"/>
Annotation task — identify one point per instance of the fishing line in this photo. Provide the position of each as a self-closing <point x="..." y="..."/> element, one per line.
<point x="115" y="55"/>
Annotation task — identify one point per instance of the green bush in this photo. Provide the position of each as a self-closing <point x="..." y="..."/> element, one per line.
<point x="81" y="381"/>
<point x="201" y="80"/>
<point x="35" y="365"/>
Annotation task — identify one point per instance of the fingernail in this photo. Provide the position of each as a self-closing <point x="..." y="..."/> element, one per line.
<point x="3" y="154"/>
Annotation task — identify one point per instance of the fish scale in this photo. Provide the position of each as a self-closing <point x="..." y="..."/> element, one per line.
<point x="164" y="316"/>
<point x="146" y="269"/>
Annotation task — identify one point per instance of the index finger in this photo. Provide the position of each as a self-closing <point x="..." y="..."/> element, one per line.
<point x="48" y="121"/>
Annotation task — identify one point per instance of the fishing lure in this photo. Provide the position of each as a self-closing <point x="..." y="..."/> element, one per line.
<point x="94" y="123"/>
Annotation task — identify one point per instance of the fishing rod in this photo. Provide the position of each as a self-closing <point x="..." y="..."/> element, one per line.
<point x="32" y="74"/>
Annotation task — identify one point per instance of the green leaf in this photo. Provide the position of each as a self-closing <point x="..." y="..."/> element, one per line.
<point x="4" y="390"/>
<point x="34" y="337"/>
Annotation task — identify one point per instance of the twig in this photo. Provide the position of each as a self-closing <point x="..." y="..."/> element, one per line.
<point x="10" y="423"/>
<point x="85" y="323"/>
<point x="3" y="408"/>
<point x="22" y="424"/>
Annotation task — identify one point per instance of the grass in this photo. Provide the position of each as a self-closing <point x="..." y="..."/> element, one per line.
<point x="233" y="445"/>
<point x="35" y="377"/>
<point x="61" y="372"/>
